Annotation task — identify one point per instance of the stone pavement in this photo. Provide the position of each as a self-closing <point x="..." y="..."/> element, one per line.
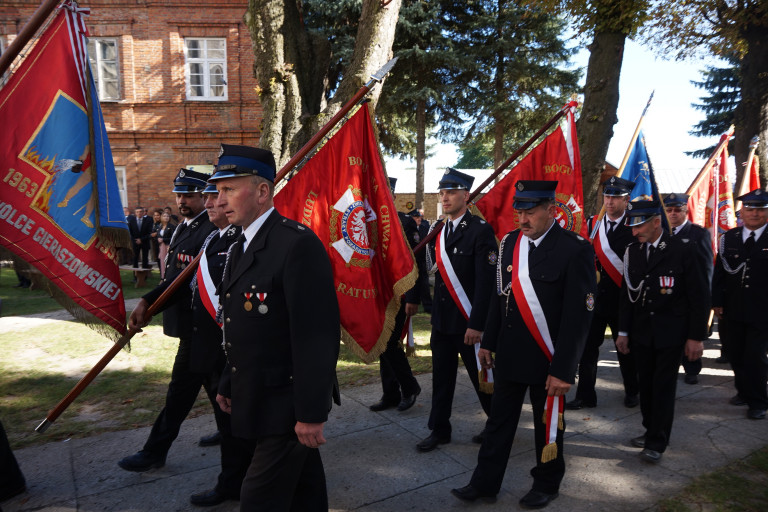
<point x="372" y="465"/>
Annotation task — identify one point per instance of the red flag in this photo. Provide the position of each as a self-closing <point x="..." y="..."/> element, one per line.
<point x="711" y="196"/>
<point x="555" y="158"/>
<point x="343" y="195"/>
<point x="53" y="215"/>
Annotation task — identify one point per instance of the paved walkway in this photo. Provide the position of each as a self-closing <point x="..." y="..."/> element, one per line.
<point x="372" y="465"/>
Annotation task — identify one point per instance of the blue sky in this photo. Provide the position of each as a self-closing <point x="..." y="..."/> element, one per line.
<point x="666" y="125"/>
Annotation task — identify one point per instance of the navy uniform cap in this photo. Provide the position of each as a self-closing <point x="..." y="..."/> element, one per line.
<point x="455" y="180"/>
<point x="392" y="183"/>
<point x="531" y="193"/>
<point x="210" y="188"/>
<point x="639" y="212"/>
<point x="236" y="161"/>
<point x="188" y="181"/>
<point x="754" y="199"/>
<point x="617" y="187"/>
<point x="414" y="213"/>
<point x="675" y="199"/>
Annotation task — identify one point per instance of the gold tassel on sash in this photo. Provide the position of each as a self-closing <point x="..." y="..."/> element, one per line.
<point x="410" y="350"/>
<point x="560" y="424"/>
<point x="549" y="453"/>
<point x="485" y="386"/>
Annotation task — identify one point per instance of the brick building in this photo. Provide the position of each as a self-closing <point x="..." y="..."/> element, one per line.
<point x="175" y="80"/>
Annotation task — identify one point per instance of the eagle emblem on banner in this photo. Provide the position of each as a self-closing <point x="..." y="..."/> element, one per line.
<point x="353" y="228"/>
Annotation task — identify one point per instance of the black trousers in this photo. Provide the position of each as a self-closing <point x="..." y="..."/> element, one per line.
<point x="747" y="344"/>
<point x="283" y="476"/>
<point x="445" y="364"/>
<point x="588" y="364"/>
<point x="396" y="376"/>
<point x="181" y="396"/>
<point x="142" y="248"/>
<point x="502" y="424"/>
<point x="657" y="369"/>
<point x="11" y="477"/>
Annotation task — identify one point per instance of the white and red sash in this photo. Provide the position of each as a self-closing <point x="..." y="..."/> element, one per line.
<point x="533" y="315"/>
<point x="207" y="289"/>
<point x="450" y="278"/>
<point x="610" y="261"/>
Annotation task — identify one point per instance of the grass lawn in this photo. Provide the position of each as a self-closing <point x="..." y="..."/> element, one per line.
<point x="41" y="365"/>
<point x="26" y="301"/>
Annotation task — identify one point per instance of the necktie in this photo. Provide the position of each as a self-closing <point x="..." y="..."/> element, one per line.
<point x="531" y="247"/>
<point x="611" y="225"/>
<point x="651" y="250"/>
<point x="450" y="232"/>
<point x="749" y="244"/>
<point x="178" y="231"/>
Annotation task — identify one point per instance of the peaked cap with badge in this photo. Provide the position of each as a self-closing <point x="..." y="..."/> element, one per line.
<point x="455" y="180"/>
<point x="188" y="181"/>
<point x="640" y="212"/>
<point x="236" y="161"/>
<point x="755" y="199"/>
<point x="617" y="187"/>
<point x="675" y="199"/>
<point x="531" y="193"/>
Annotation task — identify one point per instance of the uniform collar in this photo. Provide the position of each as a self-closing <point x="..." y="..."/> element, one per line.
<point x="250" y="232"/>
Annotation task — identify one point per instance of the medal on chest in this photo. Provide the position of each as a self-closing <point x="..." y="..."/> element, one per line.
<point x="248" y="305"/>
<point x="666" y="283"/>
<point x="262" y="307"/>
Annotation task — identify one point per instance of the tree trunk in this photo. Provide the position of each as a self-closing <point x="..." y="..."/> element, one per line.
<point x="291" y="69"/>
<point x="601" y="100"/>
<point x="421" y="150"/>
<point x="754" y="102"/>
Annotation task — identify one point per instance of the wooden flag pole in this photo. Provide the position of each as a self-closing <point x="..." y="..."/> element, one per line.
<point x="26" y="34"/>
<point x="190" y="269"/>
<point x="432" y="234"/>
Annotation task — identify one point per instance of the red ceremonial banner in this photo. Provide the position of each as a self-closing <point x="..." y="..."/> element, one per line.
<point x="710" y="202"/>
<point x="53" y="175"/>
<point x="556" y="158"/>
<point x="343" y="195"/>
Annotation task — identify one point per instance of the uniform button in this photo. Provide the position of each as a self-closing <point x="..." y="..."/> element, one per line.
<point x="746" y="286"/>
<point x="234" y="369"/>
<point x="652" y="313"/>
<point x="227" y="320"/>
<point x="194" y="329"/>
<point x="227" y="296"/>
<point x="229" y="345"/>
<point x="253" y="287"/>
<point x="647" y="276"/>
<point x="290" y="378"/>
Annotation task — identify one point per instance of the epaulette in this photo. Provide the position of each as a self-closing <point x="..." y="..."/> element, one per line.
<point x="301" y="228"/>
<point x="576" y="236"/>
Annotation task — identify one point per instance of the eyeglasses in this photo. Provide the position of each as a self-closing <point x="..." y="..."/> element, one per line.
<point x="675" y="209"/>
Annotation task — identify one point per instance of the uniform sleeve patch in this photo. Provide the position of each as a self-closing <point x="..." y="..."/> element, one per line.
<point x="493" y="257"/>
<point x="590" y="301"/>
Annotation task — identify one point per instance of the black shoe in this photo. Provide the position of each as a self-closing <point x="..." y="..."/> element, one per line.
<point x="691" y="379"/>
<point x="649" y="455"/>
<point x="430" y="443"/>
<point x="384" y="404"/>
<point x="408" y="401"/>
<point x="756" y="414"/>
<point x="638" y="442"/>
<point x="578" y="403"/>
<point x="469" y="493"/>
<point x="142" y="461"/>
<point x="722" y="360"/>
<point x="631" y="401"/>
<point x="536" y="499"/>
<point x="479" y="438"/>
<point x="737" y="400"/>
<point x="210" y="440"/>
<point x="208" y="498"/>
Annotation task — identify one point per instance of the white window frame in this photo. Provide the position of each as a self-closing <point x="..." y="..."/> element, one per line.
<point x="206" y="63"/>
<point x="122" y="184"/>
<point x="98" y="70"/>
<point x="4" y="77"/>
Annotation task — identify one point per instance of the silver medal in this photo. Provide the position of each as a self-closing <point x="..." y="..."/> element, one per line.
<point x="263" y="309"/>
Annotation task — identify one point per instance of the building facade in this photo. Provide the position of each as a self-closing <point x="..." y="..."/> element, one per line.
<point x="175" y="80"/>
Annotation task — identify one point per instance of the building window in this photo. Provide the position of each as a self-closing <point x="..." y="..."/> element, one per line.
<point x="103" y="56"/>
<point x="121" y="185"/>
<point x="3" y="77"/>
<point x="206" y="68"/>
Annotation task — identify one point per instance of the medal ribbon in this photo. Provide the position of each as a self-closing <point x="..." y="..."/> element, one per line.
<point x="450" y="278"/>
<point x="610" y="261"/>
<point x="533" y="315"/>
<point x="261" y="296"/>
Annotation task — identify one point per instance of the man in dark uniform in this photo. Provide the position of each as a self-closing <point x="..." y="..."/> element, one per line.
<point x="537" y="326"/>
<point x="466" y="254"/>
<point x="281" y="332"/>
<point x="141" y="232"/>
<point x="676" y="206"/>
<point x="609" y="242"/>
<point x="425" y="294"/>
<point x="178" y="322"/>
<point x="399" y="386"/>
<point x="665" y="303"/>
<point x="739" y="296"/>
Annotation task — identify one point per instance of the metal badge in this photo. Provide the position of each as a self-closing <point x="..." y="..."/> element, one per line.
<point x="263" y="309"/>
<point x="248" y="305"/>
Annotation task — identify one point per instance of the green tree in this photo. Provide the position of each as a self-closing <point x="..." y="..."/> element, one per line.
<point x="685" y="28"/>
<point x="720" y="106"/>
<point x="514" y="76"/>
<point x="302" y="83"/>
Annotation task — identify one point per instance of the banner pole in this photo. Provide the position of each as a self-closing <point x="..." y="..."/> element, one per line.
<point x="432" y="234"/>
<point x="26" y="34"/>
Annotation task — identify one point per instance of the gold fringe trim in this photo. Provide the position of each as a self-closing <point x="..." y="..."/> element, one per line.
<point x="409" y="350"/>
<point x="485" y="387"/>
<point x="399" y="289"/>
<point x="549" y="453"/>
<point x="560" y="424"/>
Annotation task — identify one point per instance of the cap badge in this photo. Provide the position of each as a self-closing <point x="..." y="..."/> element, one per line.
<point x="629" y="206"/>
<point x="221" y="150"/>
<point x="613" y="180"/>
<point x="181" y="173"/>
<point x="520" y="186"/>
<point x="447" y="171"/>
